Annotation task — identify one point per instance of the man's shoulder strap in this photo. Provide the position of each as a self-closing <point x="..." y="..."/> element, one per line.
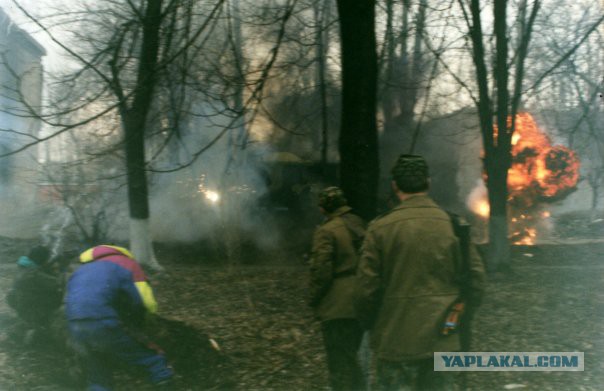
<point x="460" y="225"/>
<point x="461" y="228"/>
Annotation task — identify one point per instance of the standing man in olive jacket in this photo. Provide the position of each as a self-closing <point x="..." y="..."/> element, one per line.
<point x="333" y="266"/>
<point x="408" y="279"/>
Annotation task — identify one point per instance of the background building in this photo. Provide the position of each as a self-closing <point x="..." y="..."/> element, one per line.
<point x="21" y="78"/>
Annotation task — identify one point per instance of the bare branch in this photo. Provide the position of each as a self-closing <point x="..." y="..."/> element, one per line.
<point x="567" y="54"/>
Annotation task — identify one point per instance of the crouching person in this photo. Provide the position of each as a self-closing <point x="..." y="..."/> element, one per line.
<point x="106" y="303"/>
<point x="36" y="294"/>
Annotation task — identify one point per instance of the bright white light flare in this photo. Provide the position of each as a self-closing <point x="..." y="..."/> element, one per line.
<point x="212" y="196"/>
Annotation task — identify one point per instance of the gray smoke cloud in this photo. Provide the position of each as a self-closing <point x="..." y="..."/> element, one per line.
<point x="217" y="197"/>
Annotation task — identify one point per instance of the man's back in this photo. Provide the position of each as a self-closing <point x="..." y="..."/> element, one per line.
<point x="109" y="284"/>
<point x="410" y="260"/>
<point x="95" y="289"/>
<point x="410" y="277"/>
<point x="419" y="249"/>
<point x="333" y="264"/>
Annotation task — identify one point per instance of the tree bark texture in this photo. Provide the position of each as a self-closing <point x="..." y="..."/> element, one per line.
<point x="141" y="245"/>
<point x="497" y="147"/>
<point x="499" y="247"/>
<point x="135" y="122"/>
<point x="358" y="145"/>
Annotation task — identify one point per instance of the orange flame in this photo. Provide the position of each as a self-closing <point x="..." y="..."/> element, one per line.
<point x="539" y="173"/>
<point x="527" y="237"/>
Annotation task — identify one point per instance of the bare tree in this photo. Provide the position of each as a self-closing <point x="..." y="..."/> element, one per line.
<point x="498" y="104"/>
<point x="403" y="62"/>
<point x="572" y="103"/>
<point x="123" y="51"/>
<point x="416" y="36"/>
<point x="322" y="16"/>
<point x="359" y="164"/>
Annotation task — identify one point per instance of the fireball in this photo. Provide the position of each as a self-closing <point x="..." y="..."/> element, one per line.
<point x="539" y="173"/>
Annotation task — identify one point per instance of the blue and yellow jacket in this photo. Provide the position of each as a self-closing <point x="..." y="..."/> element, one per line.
<point x="110" y="285"/>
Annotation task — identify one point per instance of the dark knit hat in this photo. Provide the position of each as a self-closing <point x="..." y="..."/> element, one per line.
<point x="410" y="173"/>
<point x="332" y="198"/>
<point x="39" y="254"/>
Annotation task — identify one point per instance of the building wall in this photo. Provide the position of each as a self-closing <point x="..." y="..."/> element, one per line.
<point x="21" y="78"/>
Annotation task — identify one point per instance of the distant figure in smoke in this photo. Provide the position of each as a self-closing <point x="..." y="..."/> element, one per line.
<point x="333" y="267"/>
<point x="409" y="281"/>
<point x="107" y="300"/>
<point x="37" y="293"/>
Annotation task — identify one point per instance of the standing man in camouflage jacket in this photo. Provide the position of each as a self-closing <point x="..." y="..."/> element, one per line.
<point x="333" y="267"/>
<point x="408" y="279"/>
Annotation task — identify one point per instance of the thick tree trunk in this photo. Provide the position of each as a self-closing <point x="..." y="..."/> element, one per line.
<point x="359" y="166"/>
<point x="499" y="247"/>
<point x="141" y="243"/>
<point x="500" y="160"/>
<point x="496" y="147"/>
<point x="388" y="95"/>
<point x="138" y="193"/>
<point x="134" y="120"/>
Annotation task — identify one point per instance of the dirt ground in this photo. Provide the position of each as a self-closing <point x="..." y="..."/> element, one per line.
<point x="552" y="301"/>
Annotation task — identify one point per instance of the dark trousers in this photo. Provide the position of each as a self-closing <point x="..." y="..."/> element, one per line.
<point x="342" y="338"/>
<point x="411" y="376"/>
<point x="100" y="345"/>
